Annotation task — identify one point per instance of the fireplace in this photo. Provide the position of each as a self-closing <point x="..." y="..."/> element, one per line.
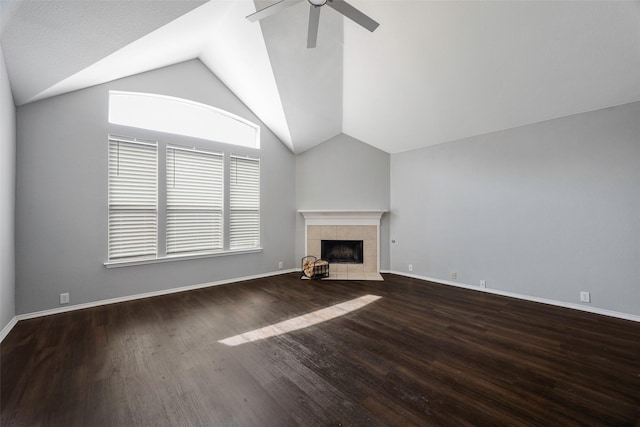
<point x="342" y="251"/>
<point x="350" y="261"/>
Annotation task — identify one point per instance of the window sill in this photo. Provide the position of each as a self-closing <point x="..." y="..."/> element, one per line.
<point x="169" y="258"/>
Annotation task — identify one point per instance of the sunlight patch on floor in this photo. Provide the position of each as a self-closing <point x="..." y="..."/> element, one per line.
<point x="301" y="322"/>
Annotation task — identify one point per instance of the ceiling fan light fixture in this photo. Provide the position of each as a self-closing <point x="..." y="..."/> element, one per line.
<point x="340" y="6"/>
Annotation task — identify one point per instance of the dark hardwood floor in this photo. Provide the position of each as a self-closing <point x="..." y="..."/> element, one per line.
<point x="423" y="354"/>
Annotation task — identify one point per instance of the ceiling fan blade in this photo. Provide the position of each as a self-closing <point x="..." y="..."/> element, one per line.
<point x="354" y="14"/>
<point x="314" y="19"/>
<point x="272" y="10"/>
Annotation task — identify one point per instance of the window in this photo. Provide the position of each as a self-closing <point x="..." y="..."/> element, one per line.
<point x="200" y="187"/>
<point x="194" y="200"/>
<point x="181" y="117"/>
<point x="244" y="194"/>
<point x="180" y="197"/>
<point x="133" y="199"/>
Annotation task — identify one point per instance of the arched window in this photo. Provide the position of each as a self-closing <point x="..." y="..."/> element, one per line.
<point x="169" y="201"/>
<point x="182" y="117"/>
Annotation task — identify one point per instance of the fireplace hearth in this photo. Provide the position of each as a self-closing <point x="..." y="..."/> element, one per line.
<point x="342" y="251"/>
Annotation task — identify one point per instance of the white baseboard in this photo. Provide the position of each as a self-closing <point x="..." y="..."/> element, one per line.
<point x="611" y="313"/>
<point x="145" y="295"/>
<point x="5" y="331"/>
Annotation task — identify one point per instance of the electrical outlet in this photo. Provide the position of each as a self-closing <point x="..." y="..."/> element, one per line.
<point x="585" y="296"/>
<point x="410" y="267"/>
<point x="483" y="283"/>
<point x="64" y="298"/>
<point x="454" y="275"/>
<point x="281" y="265"/>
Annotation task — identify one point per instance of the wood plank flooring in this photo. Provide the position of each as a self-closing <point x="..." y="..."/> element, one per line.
<point x="423" y="354"/>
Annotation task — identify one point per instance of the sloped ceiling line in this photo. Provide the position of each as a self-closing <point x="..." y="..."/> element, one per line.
<point x="433" y="72"/>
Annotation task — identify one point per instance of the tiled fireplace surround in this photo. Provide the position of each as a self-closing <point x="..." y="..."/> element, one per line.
<point x="346" y="225"/>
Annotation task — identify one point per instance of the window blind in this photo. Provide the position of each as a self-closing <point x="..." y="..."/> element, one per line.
<point x="133" y="199"/>
<point x="194" y="200"/>
<point x="244" y="203"/>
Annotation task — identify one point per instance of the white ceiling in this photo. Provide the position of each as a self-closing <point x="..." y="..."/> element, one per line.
<point x="434" y="71"/>
<point x="46" y="41"/>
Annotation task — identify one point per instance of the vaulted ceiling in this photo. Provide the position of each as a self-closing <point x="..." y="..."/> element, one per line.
<point x="433" y="72"/>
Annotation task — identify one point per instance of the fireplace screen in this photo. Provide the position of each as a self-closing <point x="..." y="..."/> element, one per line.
<point x="342" y="251"/>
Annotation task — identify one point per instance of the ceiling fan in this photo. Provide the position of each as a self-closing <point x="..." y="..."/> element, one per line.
<point x="314" y="15"/>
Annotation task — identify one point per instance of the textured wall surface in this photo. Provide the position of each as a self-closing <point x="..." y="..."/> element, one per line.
<point x="341" y="174"/>
<point x="7" y="198"/>
<point x="61" y="227"/>
<point x="38" y="35"/>
<point x="545" y="210"/>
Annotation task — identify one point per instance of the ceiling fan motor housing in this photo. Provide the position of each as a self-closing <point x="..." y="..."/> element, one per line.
<point x="340" y="6"/>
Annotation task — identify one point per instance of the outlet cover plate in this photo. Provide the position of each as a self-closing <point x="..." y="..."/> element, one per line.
<point x="585" y="296"/>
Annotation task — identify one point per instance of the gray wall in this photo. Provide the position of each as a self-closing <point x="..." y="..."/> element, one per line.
<point x="343" y="173"/>
<point x="7" y="197"/>
<point x="61" y="205"/>
<point x="545" y="210"/>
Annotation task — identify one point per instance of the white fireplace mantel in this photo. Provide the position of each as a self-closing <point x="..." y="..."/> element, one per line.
<point x="343" y="223"/>
<point x="342" y="217"/>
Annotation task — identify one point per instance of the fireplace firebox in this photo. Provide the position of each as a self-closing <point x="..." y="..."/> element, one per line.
<point x="342" y="251"/>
